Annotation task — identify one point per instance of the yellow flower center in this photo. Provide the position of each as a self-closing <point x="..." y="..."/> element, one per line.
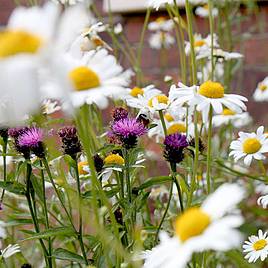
<point x="199" y="177"/>
<point x="212" y="90"/>
<point x="206" y="7"/>
<point x="176" y="128"/>
<point x="98" y="42"/>
<point x="114" y="159"/>
<point x="260" y="244"/>
<point x="160" y="99"/>
<point x="160" y="20"/>
<point x="263" y="87"/>
<point x="191" y="223"/>
<point x="15" y="42"/>
<point x="228" y="112"/>
<point x="136" y="91"/>
<point x="199" y="43"/>
<point x="251" y="146"/>
<point x="81" y="166"/>
<point x="84" y="78"/>
<point x="169" y="117"/>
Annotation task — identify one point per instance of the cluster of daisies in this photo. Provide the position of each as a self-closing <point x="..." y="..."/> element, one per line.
<point x="58" y="61"/>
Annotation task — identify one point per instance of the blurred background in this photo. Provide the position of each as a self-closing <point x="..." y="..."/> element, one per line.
<point x="250" y="35"/>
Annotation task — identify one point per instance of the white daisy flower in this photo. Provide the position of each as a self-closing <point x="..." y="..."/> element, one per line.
<point x="173" y="126"/>
<point x="50" y="107"/>
<point x="203" y="11"/>
<point x="89" y="39"/>
<point x="261" y="92"/>
<point x="263" y="201"/>
<point x="33" y="39"/>
<point x="96" y="77"/>
<point x="161" y="24"/>
<point x="257" y="247"/>
<point x="9" y="251"/>
<point x="209" y="94"/>
<point x="250" y="145"/>
<point x="201" y="45"/>
<point x="219" y="53"/>
<point x="161" y="39"/>
<point x="230" y="117"/>
<point x="158" y="3"/>
<point x="3" y="233"/>
<point x="133" y="93"/>
<point x="118" y="28"/>
<point x="210" y="227"/>
<point x="69" y="2"/>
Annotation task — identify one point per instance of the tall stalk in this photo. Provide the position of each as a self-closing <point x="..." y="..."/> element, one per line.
<point x="32" y="212"/>
<point x="80" y="228"/>
<point x="209" y="151"/>
<point x="45" y="210"/>
<point x="211" y="26"/>
<point x="194" y="80"/>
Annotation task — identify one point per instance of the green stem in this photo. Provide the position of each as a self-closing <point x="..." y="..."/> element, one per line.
<point x="174" y="179"/>
<point x="4" y="166"/>
<point x="80" y="231"/>
<point x="128" y="176"/>
<point x="209" y="151"/>
<point x="191" y="38"/>
<point x="163" y="122"/>
<point x="139" y="55"/>
<point x="46" y="213"/>
<point x="165" y="213"/>
<point x="211" y="26"/>
<point x="57" y="191"/>
<point x="35" y="221"/>
<point x="196" y="156"/>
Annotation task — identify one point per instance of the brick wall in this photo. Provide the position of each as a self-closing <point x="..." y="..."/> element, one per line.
<point x="255" y="66"/>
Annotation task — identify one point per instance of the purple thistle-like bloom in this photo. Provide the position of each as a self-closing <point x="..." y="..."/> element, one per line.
<point x="174" y="147"/>
<point x="32" y="138"/>
<point x="70" y="141"/>
<point x="119" y="113"/>
<point x="15" y="133"/>
<point x="128" y="130"/>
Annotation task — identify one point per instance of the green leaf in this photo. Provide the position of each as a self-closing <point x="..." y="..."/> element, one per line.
<point x="154" y="181"/>
<point x="64" y="254"/>
<point x="13" y="187"/>
<point x="52" y="232"/>
<point x="38" y="188"/>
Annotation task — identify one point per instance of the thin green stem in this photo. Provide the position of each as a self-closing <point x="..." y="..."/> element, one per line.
<point x="174" y="179"/>
<point x="141" y="43"/>
<point x="80" y="230"/>
<point x="191" y="38"/>
<point x="35" y="221"/>
<point x="211" y="26"/>
<point x="4" y="166"/>
<point x="165" y="213"/>
<point x="44" y="160"/>
<point x="163" y="122"/>
<point x="46" y="212"/>
<point x="209" y="150"/>
<point x="126" y="154"/>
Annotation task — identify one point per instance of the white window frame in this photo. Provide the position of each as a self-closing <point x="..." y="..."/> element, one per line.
<point x="125" y="5"/>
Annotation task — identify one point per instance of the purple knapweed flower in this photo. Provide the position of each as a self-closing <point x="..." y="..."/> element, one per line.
<point x="15" y="133"/>
<point x="128" y="130"/>
<point x="174" y="147"/>
<point x="70" y="141"/>
<point x="119" y="113"/>
<point x="32" y="138"/>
